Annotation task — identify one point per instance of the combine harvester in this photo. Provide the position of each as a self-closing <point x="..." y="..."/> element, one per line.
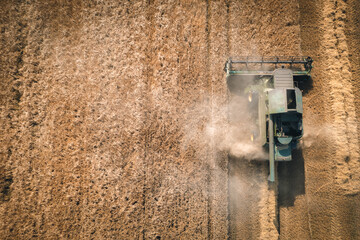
<point x="271" y="84"/>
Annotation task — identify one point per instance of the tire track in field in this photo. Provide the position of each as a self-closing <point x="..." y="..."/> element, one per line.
<point x="339" y="77"/>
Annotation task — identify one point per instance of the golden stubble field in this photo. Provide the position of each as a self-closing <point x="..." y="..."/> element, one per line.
<point x="106" y="106"/>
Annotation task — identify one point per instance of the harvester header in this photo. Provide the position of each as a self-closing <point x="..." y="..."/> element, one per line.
<point x="264" y="65"/>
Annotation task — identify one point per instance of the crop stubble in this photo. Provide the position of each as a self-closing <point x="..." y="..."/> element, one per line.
<point x="95" y="98"/>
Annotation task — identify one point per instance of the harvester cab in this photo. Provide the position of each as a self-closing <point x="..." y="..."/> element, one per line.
<point x="272" y="83"/>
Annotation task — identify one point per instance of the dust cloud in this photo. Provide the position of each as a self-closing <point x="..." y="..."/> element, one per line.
<point x="225" y="127"/>
<point x="229" y="127"/>
<point x="314" y="132"/>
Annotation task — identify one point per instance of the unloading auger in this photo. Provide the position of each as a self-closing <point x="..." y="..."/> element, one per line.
<point x="270" y="82"/>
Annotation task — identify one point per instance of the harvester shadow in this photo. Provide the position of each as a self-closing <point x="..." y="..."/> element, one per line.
<point x="305" y="83"/>
<point x="291" y="179"/>
<point x="291" y="175"/>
